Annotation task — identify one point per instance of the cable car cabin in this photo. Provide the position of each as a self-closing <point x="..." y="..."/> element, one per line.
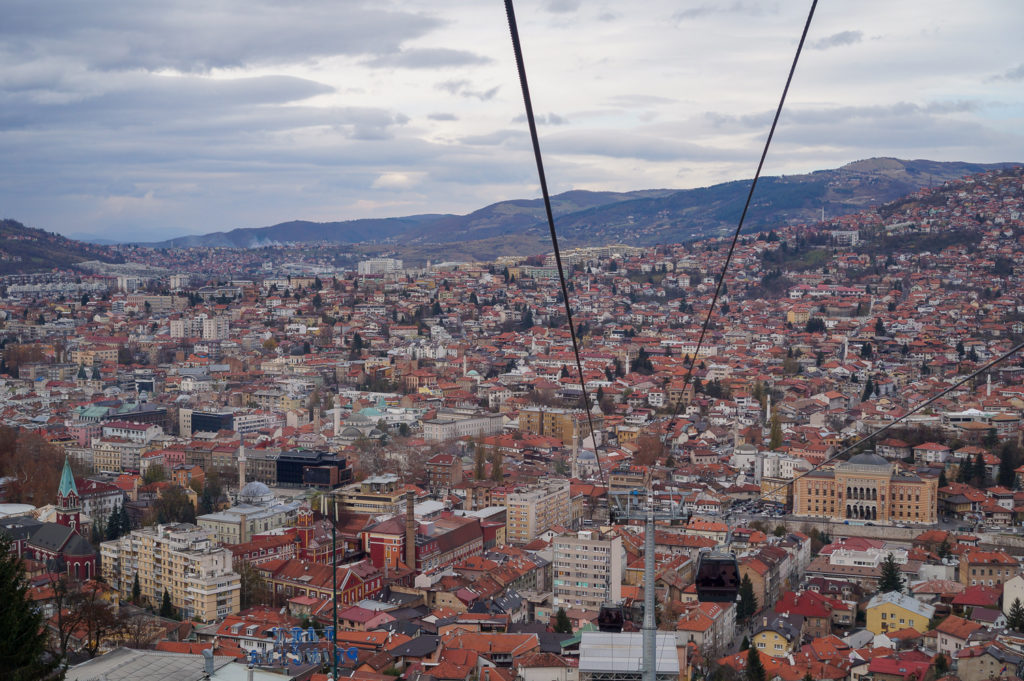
<point x="718" y="577"/>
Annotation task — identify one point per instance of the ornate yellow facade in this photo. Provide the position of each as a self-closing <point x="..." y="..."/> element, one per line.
<point x="866" y="488"/>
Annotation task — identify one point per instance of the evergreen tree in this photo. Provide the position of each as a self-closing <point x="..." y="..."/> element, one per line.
<point x="943" y="549"/>
<point x="880" y="327"/>
<point x="497" y="475"/>
<point x="960" y="350"/>
<point x="869" y="388"/>
<point x="745" y="644"/>
<point x="1015" y="618"/>
<point x="941" y="665"/>
<point x="943" y="482"/>
<point x="978" y="474"/>
<point x="479" y="463"/>
<point x="754" y="670"/>
<point x="747" y="606"/>
<point x="562" y="623"/>
<point x="963" y="471"/>
<point x="166" y="607"/>
<point x="891" y="579"/>
<point x="23" y="638"/>
<point x="114" y="523"/>
<point x="1007" y="476"/>
<point x="865" y="351"/>
<point x="136" y="590"/>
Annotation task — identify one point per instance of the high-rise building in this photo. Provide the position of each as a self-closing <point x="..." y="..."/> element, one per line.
<point x="559" y="423"/>
<point x="178" y="558"/>
<point x="537" y="508"/>
<point x="378" y="266"/>
<point x="587" y="570"/>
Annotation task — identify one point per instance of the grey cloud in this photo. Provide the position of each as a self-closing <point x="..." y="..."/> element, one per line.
<point x="836" y="115"/>
<point x="496" y="138"/>
<point x="837" y="40"/>
<point x="619" y="144"/>
<point x="428" y="58"/>
<point x="542" y="119"/>
<point x="1016" y="73"/>
<point x="194" y="35"/>
<point x="709" y="9"/>
<point x="463" y="89"/>
<point x="442" y="117"/>
<point x="134" y="99"/>
<point x="559" y="6"/>
<point x="635" y="100"/>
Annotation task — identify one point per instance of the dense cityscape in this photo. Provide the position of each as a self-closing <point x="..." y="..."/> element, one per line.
<point x="309" y="462"/>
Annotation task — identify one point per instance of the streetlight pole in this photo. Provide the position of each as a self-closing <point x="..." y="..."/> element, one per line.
<point x="334" y="577"/>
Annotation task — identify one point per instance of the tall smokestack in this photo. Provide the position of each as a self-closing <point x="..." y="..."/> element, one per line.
<point x="410" y="531"/>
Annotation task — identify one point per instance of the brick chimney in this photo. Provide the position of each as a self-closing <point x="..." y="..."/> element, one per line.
<point x="410" y="531"/>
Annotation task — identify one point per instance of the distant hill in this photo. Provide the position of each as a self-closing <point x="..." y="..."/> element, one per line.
<point x="26" y="249"/>
<point x="642" y="217"/>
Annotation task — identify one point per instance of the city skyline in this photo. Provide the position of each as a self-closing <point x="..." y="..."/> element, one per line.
<point x="151" y="122"/>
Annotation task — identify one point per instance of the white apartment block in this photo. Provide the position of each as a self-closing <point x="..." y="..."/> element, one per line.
<point x="587" y="570"/>
<point x="451" y="424"/>
<point x="181" y="558"/>
<point x="535" y="509"/>
<point x="378" y="266"/>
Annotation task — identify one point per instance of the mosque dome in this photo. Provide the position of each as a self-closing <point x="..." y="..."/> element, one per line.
<point x="255" y="493"/>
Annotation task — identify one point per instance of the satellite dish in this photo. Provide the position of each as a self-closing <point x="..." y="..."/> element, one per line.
<point x="352" y="653"/>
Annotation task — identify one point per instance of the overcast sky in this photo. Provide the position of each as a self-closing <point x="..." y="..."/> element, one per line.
<point x="141" y="120"/>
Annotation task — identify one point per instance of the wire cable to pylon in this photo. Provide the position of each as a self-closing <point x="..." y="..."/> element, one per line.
<point x="743" y="216"/>
<point x="520" y="65"/>
<point x="1001" y="358"/>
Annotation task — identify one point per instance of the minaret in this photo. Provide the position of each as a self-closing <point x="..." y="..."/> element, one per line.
<point x="464" y="372"/>
<point x="68" y="502"/>
<point x="575" y="466"/>
<point x="241" y="465"/>
<point x="988" y="385"/>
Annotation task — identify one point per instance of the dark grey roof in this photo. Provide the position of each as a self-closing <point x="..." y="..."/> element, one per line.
<point x="508" y="603"/>
<point x="788" y="625"/>
<point x="409" y="613"/>
<point x="421" y="646"/>
<point x="78" y="546"/>
<point x="551" y="642"/>
<point x="51" y="537"/>
<point x="868" y="459"/>
<point x="19" y="527"/>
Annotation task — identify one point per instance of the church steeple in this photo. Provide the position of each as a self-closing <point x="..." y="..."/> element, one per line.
<point x="68" y="501"/>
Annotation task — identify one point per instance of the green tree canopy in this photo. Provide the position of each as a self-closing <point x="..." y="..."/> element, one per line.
<point x="755" y="669"/>
<point x="23" y="638"/>
<point x="562" y="623"/>
<point x="891" y="579"/>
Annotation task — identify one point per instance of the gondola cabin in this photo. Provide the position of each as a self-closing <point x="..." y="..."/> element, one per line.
<point x="718" y="577"/>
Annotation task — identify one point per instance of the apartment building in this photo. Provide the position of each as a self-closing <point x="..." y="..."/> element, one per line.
<point x="376" y="495"/>
<point x="557" y="423"/>
<point x="587" y="570"/>
<point x="456" y="423"/>
<point x="537" y="508"/>
<point x="179" y="558"/>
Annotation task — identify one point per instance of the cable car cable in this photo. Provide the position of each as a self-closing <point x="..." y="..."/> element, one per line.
<point x="1001" y="358"/>
<point x="520" y="65"/>
<point x="743" y="216"/>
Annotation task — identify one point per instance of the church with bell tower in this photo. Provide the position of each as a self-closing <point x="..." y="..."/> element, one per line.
<point x="69" y="503"/>
<point x="62" y="546"/>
